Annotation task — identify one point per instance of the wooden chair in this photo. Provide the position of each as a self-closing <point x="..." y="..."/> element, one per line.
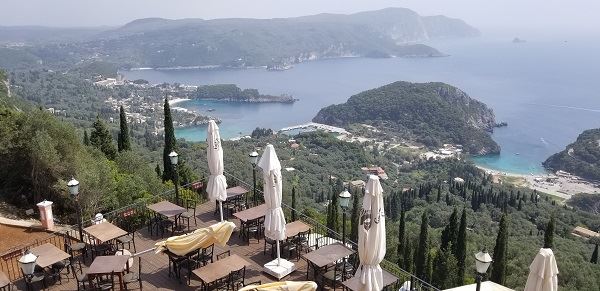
<point x="271" y="243"/>
<point x="254" y="228"/>
<point x="337" y="275"/>
<point x="132" y="277"/>
<point x="77" y="247"/>
<point x="30" y="280"/>
<point x="128" y="239"/>
<point x="206" y="255"/>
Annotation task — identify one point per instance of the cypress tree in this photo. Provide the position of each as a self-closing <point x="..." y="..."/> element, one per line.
<point x="157" y="169"/>
<point x="439" y="193"/>
<point x="421" y="255"/>
<point x="333" y="220"/>
<point x="444" y="274"/>
<point x="549" y="234"/>
<point x="86" y="138"/>
<point x="461" y="248"/>
<point x="293" y="203"/>
<point x="499" y="263"/>
<point x="594" y="259"/>
<point x="407" y="256"/>
<point x="102" y="140"/>
<point x="447" y="198"/>
<point x="449" y="234"/>
<point x="170" y="143"/>
<point x="401" y="231"/>
<point x="354" y="219"/>
<point x="123" y="141"/>
<point x="429" y="269"/>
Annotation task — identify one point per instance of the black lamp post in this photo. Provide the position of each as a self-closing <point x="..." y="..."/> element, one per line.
<point x="27" y="263"/>
<point x="482" y="263"/>
<point x="344" y="202"/>
<point x="74" y="191"/>
<point x="174" y="157"/>
<point x="253" y="158"/>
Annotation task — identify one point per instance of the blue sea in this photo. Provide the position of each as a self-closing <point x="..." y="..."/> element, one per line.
<point x="545" y="89"/>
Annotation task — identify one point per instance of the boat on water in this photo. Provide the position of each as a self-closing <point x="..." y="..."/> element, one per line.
<point x="210" y="109"/>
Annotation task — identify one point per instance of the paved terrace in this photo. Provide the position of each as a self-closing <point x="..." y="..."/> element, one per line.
<point x="155" y="266"/>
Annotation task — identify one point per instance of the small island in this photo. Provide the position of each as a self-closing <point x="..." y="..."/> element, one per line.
<point x="232" y="93"/>
<point x="518" y="40"/>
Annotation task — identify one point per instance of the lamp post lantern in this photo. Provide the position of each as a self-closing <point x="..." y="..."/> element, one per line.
<point x="253" y="158"/>
<point x="174" y="157"/>
<point x="344" y="202"/>
<point x="27" y="263"/>
<point x="482" y="263"/>
<point x="74" y="191"/>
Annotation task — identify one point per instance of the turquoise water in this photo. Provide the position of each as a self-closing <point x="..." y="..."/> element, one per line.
<point x="545" y="90"/>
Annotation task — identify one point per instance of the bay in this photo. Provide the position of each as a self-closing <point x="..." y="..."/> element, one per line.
<point x="544" y="89"/>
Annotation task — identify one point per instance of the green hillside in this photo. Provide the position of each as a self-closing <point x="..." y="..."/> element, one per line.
<point x="430" y="113"/>
<point x="581" y="158"/>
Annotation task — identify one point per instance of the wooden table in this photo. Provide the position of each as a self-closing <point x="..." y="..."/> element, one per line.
<point x="219" y="269"/>
<point x="292" y="229"/>
<point x="236" y="191"/>
<point x="388" y="279"/>
<point x="326" y="255"/>
<point x="252" y="213"/>
<point x="4" y="281"/>
<point x="48" y="254"/>
<point x="167" y="208"/>
<point x="106" y="265"/>
<point x="105" y="231"/>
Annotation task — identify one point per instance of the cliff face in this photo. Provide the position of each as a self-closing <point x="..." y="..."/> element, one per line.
<point x="581" y="158"/>
<point x="431" y="113"/>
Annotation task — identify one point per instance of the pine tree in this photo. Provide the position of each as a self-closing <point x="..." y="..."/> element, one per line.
<point x="401" y="235"/>
<point x="449" y="234"/>
<point x="170" y="144"/>
<point x="123" y="141"/>
<point x="102" y="140"/>
<point x="421" y="256"/>
<point x="157" y="169"/>
<point x="594" y="259"/>
<point x="499" y="263"/>
<point x="86" y="138"/>
<point x="354" y="219"/>
<point x="549" y="234"/>
<point x="461" y="248"/>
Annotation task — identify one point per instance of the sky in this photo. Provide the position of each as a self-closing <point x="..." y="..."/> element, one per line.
<point x="487" y="15"/>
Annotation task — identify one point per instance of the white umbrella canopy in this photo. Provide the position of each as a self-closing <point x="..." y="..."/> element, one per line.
<point x="274" y="218"/>
<point x="543" y="272"/>
<point x="371" y="237"/>
<point x="217" y="183"/>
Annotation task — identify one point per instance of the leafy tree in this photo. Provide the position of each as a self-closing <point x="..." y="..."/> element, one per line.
<point x="422" y="248"/>
<point x="101" y="139"/>
<point x="170" y="144"/>
<point x="123" y="141"/>
<point x="86" y="138"/>
<point x="594" y="259"/>
<point x="500" y="249"/>
<point x="461" y="248"/>
<point x="549" y="234"/>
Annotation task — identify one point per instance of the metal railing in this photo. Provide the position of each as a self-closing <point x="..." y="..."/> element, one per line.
<point x="9" y="260"/>
<point x="329" y="236"/>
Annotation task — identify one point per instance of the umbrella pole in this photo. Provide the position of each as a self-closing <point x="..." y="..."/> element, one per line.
<point x="278" y="254"/>
<point x="221" y="209"/>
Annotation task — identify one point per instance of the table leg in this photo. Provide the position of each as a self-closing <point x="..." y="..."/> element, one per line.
<point x="121" y="281"/>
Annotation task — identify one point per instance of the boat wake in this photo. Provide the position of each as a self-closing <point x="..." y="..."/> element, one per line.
<point x="567" y="107"/>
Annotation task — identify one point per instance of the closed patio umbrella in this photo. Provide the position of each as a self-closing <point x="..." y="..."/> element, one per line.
<point x="218" y="233"/>
<point x="217" y="184"/>
<point x="371" y="237"/>
<point x="274" y="218"/>
<point x="283" y="286"/>
<point x="543" y="272"/>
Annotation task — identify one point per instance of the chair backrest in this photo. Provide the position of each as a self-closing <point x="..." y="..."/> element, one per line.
<point x="208" y="251"/>
<point x="238" y="276"/>
<point x="223" y="255"/>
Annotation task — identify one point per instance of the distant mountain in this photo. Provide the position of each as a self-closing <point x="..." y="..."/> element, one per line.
<point x="156" y="42"/>
<point x="430" y="113"/>
<point x="581" y="158"/>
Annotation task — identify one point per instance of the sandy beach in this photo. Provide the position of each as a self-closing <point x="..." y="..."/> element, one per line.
<point x="560" y="186"/>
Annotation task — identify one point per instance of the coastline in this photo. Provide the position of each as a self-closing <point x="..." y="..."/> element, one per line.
<point x="174" y="101"/>
<point x="561" y="186"/>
